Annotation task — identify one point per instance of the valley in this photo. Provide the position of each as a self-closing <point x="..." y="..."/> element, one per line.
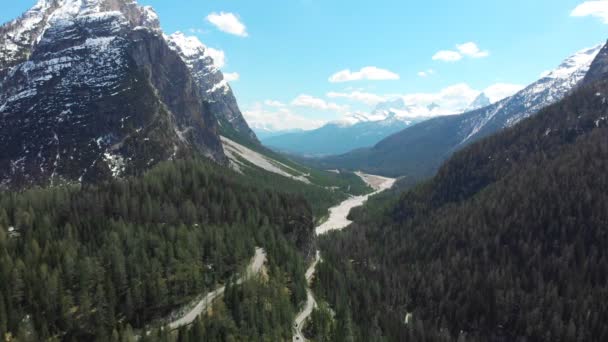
<point x="420" y="173"/>
<point x="338" y="219"/>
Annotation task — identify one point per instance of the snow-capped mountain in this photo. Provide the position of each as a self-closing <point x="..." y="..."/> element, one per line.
<point x="480" y="101"/>
<point x="418" y="151"/>
<point x="552" y="87"/>
<point x="214" y="88"/>
<point x="357" y="130"/>
<point x="91" y="89"/>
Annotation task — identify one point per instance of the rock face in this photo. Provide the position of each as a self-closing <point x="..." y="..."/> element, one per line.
<point x="90" y="89"/>
<point x="418" y="151"/>
<point x="213" y="87"/>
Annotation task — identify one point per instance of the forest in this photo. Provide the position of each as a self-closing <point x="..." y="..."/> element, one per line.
<point x="506" y="243"/>
<point x="99" y="262"/>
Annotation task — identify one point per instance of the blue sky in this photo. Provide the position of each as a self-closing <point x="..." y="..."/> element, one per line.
<point x="287" y="50"/>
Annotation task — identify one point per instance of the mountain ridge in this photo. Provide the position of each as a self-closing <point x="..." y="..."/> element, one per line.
<point x="418" y="151"/>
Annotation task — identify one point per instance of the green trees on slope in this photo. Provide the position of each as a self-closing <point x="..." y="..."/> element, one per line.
<point x="91" y="263"/>
<point x="507" y="243"/>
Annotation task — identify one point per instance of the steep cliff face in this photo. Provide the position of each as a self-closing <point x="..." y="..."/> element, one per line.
<point x="213" y="87"/>
<point x="90" y="89"/>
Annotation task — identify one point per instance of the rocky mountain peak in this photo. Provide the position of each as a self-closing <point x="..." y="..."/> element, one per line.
<point x="108" y="100"/>
<point x="480" y="101"/>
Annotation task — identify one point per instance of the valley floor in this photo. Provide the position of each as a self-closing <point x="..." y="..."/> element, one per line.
<point x="337" y="220"/>
<point x="338" y="215"/>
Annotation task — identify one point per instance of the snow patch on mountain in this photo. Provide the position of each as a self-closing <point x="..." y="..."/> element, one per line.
<point x="552" y="87"/>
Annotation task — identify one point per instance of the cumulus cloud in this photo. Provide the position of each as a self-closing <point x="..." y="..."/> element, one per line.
<point x="447" y="56"/>
<point x="231" y="76"/>
<point x="367" y="73"/>
<point x="316" y="103"/>
<point x="279" y="119"/>
<point x="358" y="96"/>
<point x="499" y="91"/>
<point x="472" y="50"/>
<point x="218" y="56"/>
<point x="469" y="49"/>
<point x="592" y="8"/>
<point x="273" y="103"/>
<point x="228" y="22"/>
<point x="426" y="73"/>
<point x="451" y="100"/>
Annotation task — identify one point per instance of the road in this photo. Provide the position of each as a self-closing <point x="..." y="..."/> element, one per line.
<point x="255" y="266"/>
<point x="337" y="220"/>
<point x="310" y="303"/>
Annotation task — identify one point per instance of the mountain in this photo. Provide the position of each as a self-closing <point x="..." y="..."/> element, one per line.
<point x="506" y="243"/>
<point x="480" y="101"/>
<point x="264" y="132"/>
<point x="212" y="86"/>
<point x="93" y="89"/>
<point x="356" y="131"/>
<point x="418" y="151"/>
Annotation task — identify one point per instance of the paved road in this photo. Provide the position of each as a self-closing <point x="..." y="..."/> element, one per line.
<point x="255" y="266"/>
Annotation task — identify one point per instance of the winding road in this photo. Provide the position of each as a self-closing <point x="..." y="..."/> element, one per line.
<point x="255" y="266"/>
<point x="337" y="221"/>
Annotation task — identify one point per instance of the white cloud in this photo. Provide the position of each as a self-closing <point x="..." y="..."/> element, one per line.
<point x="231" y="76"/>
<point x="426" y="73"/>
<point x="367" y="98"/>
<point x="592" y="8"/>
<point x="228" y="22"/>
<point x="447" y="56"/>
<point x="218" y="56"/>
<point x="451" y="100"/>
<point x="468" y="49"/>
<point x="499" y="91"/>
<point x="196" y="30"/>
<point x="316" y="103"/>
<point x="280" y="119"/>
<point x="273" y="103"/>
<point x="472" y="50"/>
<point x="367" y="73"/>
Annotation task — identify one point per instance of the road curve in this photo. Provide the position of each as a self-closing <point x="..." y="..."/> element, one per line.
<point x="337" y="220"/>
<point x="311" y="303"/>
<point x="255" y="266"/>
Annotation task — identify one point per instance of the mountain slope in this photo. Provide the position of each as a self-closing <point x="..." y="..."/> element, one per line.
<point x="418" y="151"/>
<point x="213" y="87"/>
<point x="93" y="89"/>
<point x="506" y="243"/>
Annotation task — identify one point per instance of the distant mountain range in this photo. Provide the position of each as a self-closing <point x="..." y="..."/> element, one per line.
<point x="418" y="151"/>
<point x="356" y="131"/>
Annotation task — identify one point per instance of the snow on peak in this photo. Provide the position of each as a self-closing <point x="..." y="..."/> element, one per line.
<point x="580" y="61"/>
<point x="189" y="46"/>
<point x="482" y="100"/>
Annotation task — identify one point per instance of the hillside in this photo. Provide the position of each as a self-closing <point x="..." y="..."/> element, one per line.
<point x="505" y="243"/>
